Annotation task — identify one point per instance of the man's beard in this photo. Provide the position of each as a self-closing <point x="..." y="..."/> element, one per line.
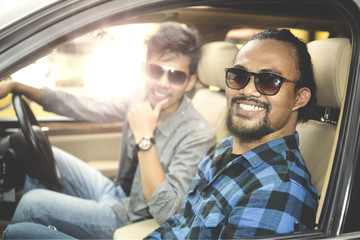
<point x="248" y="134"/>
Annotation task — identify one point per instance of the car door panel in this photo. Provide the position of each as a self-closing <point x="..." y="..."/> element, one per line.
<point x="98" y="144"/>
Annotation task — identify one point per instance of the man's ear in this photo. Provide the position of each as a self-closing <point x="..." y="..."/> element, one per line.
<point x="302" y="98"/>
<point x="191" y="83"/>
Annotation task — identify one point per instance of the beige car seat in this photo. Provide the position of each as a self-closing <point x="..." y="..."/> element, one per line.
<point x="211" y="101"/>
<point x="331" y="61"/>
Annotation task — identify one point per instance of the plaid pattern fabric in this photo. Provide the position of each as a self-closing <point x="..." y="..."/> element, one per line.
<point x="265" y="191"/>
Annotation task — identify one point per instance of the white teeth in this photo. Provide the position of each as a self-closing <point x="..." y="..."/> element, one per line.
<point x="250" y="107"/>
<point x="160" y="94"/>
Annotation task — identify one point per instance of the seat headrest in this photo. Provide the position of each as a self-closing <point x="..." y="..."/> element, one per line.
<point x="331" y="62"/>
<point x="216" y="56"/>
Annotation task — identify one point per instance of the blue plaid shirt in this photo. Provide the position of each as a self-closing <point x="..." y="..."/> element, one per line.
<point x="264" y="191"/>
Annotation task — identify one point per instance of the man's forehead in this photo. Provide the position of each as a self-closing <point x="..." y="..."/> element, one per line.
<point x="171" y="59"/>
<point x="266" y="46"/>
<point x="167" y="56"/>
<point x="164" y="56"/>
<point x="268" y="50"/>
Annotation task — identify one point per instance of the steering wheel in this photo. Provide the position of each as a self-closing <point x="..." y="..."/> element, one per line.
<point x="39" y="163"/>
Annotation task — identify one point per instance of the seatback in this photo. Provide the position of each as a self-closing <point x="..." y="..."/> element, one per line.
<point x="331" y="61"/>
<point x="210" y="101"/>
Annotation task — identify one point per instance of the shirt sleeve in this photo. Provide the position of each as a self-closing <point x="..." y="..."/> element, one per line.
<point x="170" y="195"/>
<point x="271" y="210"/>
<point x="84" y="108"/>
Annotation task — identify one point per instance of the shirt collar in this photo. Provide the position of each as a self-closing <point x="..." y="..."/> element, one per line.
<point x="256" y="156"/>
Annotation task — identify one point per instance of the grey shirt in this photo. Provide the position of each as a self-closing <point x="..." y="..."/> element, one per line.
<point x="181" y="141"/>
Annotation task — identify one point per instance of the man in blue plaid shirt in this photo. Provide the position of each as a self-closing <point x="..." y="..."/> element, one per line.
<point x="255" y="183"/>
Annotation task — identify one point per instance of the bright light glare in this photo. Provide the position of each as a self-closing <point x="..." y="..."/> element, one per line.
<point x="36" y="74"/>
<point x="110" y="66"/>
<point x="114" y="66"/>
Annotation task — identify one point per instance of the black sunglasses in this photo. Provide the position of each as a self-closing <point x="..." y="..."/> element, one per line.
<point x="174" y="76"/>
<point x="265" y="83"/>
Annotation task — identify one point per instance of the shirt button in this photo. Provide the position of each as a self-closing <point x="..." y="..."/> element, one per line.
<point x="203" y="193"/>
<point x="183" y="225"/>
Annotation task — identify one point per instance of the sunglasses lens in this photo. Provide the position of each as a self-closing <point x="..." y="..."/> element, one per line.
<point x="154" y="71"/>
<point x="177" y="77"/>
<point x="268" y="84"/>
<point x="236" y="78"/>
<point x="174" y="76"/>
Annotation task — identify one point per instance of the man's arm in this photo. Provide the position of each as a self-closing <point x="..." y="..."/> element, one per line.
<point x="66" y="104"/>
<point x="85" y="108"/>
<point x="169" y="197"/>
<point x="166" y="192"/>
<point x="32" y="93"/>
<point x="143" y="120"/>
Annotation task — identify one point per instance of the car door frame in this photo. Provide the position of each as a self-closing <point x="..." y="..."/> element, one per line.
<point x="347" y="154"/>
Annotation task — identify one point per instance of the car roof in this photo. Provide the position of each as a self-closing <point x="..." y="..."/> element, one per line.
<point x="14" y="10"/>
<point x="215" y="21"/>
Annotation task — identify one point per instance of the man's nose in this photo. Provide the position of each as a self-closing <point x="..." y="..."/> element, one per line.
<point x="164" y="81"/>
<point x="250" y="88"/>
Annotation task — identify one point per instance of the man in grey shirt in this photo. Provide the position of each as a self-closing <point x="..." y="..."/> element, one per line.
<point x="164" y="139"/>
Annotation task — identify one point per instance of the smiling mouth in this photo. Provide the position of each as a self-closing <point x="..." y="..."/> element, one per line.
<point x="250" y="107"/>
<point x="159" y="95"/>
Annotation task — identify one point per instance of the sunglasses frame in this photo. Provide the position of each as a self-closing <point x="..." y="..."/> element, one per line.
<point x="167" y="70"/>
<point x="256" y="80"/>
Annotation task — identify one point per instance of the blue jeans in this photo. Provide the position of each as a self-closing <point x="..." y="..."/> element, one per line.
<point x="32" y="231"/>
<point x="81" y="210"/>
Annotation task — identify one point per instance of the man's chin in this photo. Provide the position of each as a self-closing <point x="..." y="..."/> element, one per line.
<point x="170" y="106"/>
<point x="164" y="107"/>
<point x="249" y="132"/>
<point x="253" y="135"/>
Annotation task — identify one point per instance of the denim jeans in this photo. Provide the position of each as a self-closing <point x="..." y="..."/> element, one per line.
<point x="32" y="231"/>
<point x="82" y="209"/>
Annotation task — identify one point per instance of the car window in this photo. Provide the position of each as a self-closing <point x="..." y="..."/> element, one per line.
<point x="103" y="63"/>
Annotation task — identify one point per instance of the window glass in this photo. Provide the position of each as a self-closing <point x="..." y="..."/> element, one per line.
<point x="103" y="63"/>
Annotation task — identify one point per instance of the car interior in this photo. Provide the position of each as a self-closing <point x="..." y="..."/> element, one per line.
<point x="331" y="57"/>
